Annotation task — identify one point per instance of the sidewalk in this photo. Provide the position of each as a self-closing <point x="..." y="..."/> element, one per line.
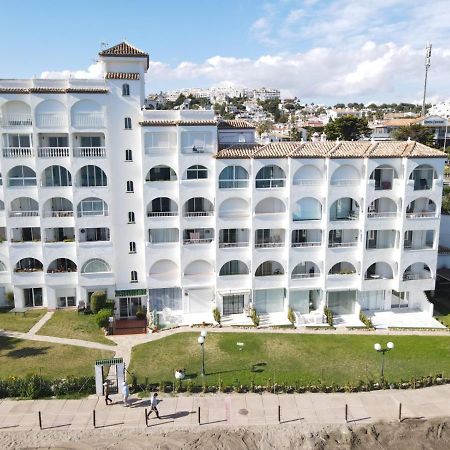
<point x="228" y="410"/>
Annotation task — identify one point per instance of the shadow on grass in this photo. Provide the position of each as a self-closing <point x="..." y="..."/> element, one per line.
<point x="7" y="343"/>
<point x="27" y="352"/>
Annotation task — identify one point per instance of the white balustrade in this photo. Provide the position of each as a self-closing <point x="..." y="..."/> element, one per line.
<point x="53" y="152"/>
<point x="51" y="120"/>
<point x="58" y="214"/>
<point x="233" y="244"/>
<point x="18" y="152"/>
<point x="198" y="213"/>
<point x="296" y="276"/>
<point x="89" y="152"/>
<point x="382" y="215"/>
<point x="300" y="182"/>
<point x="88" y="120"/>
<point x="23" y="213"/>
<point x="16" y="120"/>
<point x="306" y="244"/>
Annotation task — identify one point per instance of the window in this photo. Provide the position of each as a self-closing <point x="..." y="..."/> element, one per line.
<point x="91" y="141"/>
<point x="94" y="234"/>
<point x="19" y="140"/>
<point x="163" y="235"/>
<point x="92" y="176"/>
<point x="21" y="176"/>
<point x="56" y="176"/>
<point x="92" y="206"/>
<point x="196" y="173"/>
<point x="128" y="155"/>
<point x="234" y="267"/>
<point x="165" y="298"/>
<point x="127" y="123"/>
<point x="125" y="90"/>
<point x="95" y="266"/>
<point x="133" y="276"/>
<point x="32" y="297"/>
<point x="161" y="173"/>
<point x="131" y="217"/>
<point x="132" y="247"/>
<point x="130" y="187"/>
<point x="58" y="141"/>
<point x="233" y="177"/>
<point x="65" y="302"/>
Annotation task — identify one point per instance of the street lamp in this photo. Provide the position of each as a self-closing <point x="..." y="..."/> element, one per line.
<point x="201" y="341"/>
<point x="377" y="347"/>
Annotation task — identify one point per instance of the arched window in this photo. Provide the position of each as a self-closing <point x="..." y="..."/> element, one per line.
<point x="131" y="217"/>
<point x="132" y="247"/>
<point x="270" y="177"/>
<point x="128" y="155"/>
<point x="196" y="173"/>
<point x="21" y="176"/>
<point x="24" y="207"/>
<point x="162" y="206"/>
<point x="92" y="176"/>
<point x="130" y="186"/>
<point x="233" y="177"/>
<point x="234" y="267"/>
<point x="56" y="176"/>
<point x="62" y="265"/>
<point x="127" y="123"/>
<point x="92" y="206"/>
<point x="133" y="276"/>
<point x="422" y="177"/>
<point x="269" y="268"/>
<point x="342" y="268"/>
<point x="305" y="269"/>
<point x="161" y="173"/>
<point x="95" y="265"/>
<point x="29" y="265"/>
<point x="125" y="89"/>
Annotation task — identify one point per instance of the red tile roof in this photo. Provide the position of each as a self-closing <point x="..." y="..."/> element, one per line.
<point x="124" y="49"/>
<point x="233" y="124"/>
<point x="51" y="90"/>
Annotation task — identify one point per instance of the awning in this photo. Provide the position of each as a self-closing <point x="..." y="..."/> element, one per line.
<point x="131" y="292"/>
<point x="112" y="361"/>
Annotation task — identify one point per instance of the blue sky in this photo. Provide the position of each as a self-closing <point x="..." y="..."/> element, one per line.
<point x="323" y="51"/>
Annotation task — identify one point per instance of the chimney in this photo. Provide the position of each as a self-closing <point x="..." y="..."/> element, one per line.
<point x="323" y="137"/>
<point x="315" y="137"/>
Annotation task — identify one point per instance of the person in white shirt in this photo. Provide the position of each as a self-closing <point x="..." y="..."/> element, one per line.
<point x="125" y="393"/>
<point x="153" y="404"/>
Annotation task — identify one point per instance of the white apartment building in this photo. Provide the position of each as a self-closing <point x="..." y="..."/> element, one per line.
<point x="180" y="213"/>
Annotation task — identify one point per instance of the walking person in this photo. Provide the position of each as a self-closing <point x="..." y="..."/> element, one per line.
<point x="153" y="404"/>
<point x="125" y="393"/>
<point x="106" y="393"/>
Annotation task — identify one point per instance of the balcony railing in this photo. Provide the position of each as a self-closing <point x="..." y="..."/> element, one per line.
<point x="270" y="183"/>
<point x="296" y="276"/>
<point x="420" y="214"/>
<point x="28" y="270"/>
<point x="98" y="213"/>
<point x="345" y="182"/>
<point x="53" y="152"/>
<point x="233" y="244"/>
<point x="269" y="244"/>
<point x="342" y="244"/>
<point x="307" y="182"/>
<point x="51" y="120"/>
<point x="18" y="152"/>
<point x="162" y="214"/>
<point x="382" y="215"/>
<point x="198" y="213"/>
<point x="233" y="184"/>
<point x="58" y="213"/>
<point x="89" y="152"/>
<point x="306" y="244"/>
<point x="351" y="215"/>
<point x="23" y="213"/>
<point x="417" y="276"/>
<point x="88" y="120"/>
<point x="197" y="241"/>
<point x="409" y="246"/>
<point x="16" y="120"/>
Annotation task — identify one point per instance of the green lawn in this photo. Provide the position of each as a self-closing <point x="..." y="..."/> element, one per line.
<point x="69" y="324"/>
<point x="18" y="322"/>
<point x="19" y="357"/>
<point x="441" y="303"/>
<point x="291" y="357"/>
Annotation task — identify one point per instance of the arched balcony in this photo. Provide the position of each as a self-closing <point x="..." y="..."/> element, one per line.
<point x="91" y="176"/>
<point x="58" y="207"/>
<point x="421" y="208"/>
<point x="382" y="208"/>
<point x="270" y="205"/>
<point x="346" y="175"/>
<point x="92" y="206"/>
<point x="305" y="269"/>
<point x="269" y="268"/>
<point x="344" y="209"/>
<point x="56" y="176"/>
<point x="379" y="271"/>
<point x="29" y="265"/>
<point x="382" y="177"/>
<point x="162" y="207"/>
<point x="234" y="207"/>
<point x="234" y="267"/>
<point x="16" y="114"/>
<point x="342" y="268"/>
<point x="21" y="176"/>
<point x="233" y="177"/>
<point x="270" y="177"/>
<point x="161" y="173"/>
<point x="307" y="208"/>
<point x="308" y="175"/>
<point x="198" y="207"/>
<point x="422" y="177"/>
<point x="62" y="265"/>
<point x="51" y="114"/>
<point x="417" y="271"/>
<point x="199" y="267"/>
<point x="164" y="269"/>
<point x="87" y="114"/>
<point x="95" y="265"/>
<point x="24" y="207"/>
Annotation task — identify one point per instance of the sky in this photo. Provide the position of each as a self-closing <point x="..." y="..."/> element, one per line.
<point x="322" y="51"/>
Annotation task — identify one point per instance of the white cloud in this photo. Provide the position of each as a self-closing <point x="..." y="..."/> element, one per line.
<point x="94" y="71"/>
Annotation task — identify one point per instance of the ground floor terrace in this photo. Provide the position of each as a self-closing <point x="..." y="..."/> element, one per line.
<point x="194" y="305"/>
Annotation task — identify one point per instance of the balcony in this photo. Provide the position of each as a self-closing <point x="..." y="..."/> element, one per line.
<point x="162" y="213"/>
<point x="303" y="276"/>
<point x="270" y="183"/>
<point x="233" y="244"/>
<point x="343" y="238"/>
<point x="301" y="182"/>
<point x="88" y="120"/>
<point x="382" y="214"/>
<point x="53" y="152"/>
<point x="381" y="239"/>
<point x="269" y="238"/>
<point x="342" y="244"/>
<point x="51" y="120"/>
<point x="383" y="178"/>
<point x="34" y="213"/>
<point x="306" y="244"/>
<point x="198" y="236"/>
<point x="16" y="120"/>
<point x="418" y="240"/>
<point x="269" y="244"/>
<point x="89" y="152"/>
<point x="233" y="184"/>
<point x="18" y="152"/>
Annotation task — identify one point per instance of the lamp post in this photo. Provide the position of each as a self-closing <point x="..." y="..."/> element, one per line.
<point x="377" y="347"/>
<point x="201" y="341"/>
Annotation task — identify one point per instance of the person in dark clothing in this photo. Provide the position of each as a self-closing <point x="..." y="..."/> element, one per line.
<point x="106" y="393"/>
<point x="153" y="404"/>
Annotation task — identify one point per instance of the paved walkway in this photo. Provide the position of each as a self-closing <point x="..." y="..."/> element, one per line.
<point x="229" y="410"/>
<point x="41" y="322"/>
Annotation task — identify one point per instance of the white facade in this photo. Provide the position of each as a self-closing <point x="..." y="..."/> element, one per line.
<point x="99" y="194"/>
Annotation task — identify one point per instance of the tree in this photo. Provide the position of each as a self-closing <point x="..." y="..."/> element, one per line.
<point x="347" y="128"/>
<point x="416" y="132"/>
<point x="263" y="127"/>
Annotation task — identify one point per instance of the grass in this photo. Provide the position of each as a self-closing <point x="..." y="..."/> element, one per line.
<point x="19" y="357"/>
<point x="69" y="324"/>
<point x="18" y="322"/>
<point x="290" y="358"/>
<point x="442" y="305"/>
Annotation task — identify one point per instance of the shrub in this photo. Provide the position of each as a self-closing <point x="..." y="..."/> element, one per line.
<point x="291" y="315"/>
<point x="98" y="301"/>
<point x="365" y="320"/>
<point x="140" y="314"/>
<point x="10" y="298"/>
<point x="329" y="316"/>
<point x="255" y="317"/>
<point x="217" y="316"/>
<point x="102" y="318"/>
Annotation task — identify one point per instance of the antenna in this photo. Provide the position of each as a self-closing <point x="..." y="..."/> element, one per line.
<point x="103" y="45"/>
<point x="427" y="66"/>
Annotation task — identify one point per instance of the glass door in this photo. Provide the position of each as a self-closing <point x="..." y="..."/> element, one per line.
<point x="128" y="306"/>
<point x="233" y="304"/>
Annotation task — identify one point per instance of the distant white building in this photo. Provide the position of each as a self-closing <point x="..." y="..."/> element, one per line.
<point x="441" y="109"/>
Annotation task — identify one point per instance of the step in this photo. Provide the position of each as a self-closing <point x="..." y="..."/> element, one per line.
<point x="123" y="331"/>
